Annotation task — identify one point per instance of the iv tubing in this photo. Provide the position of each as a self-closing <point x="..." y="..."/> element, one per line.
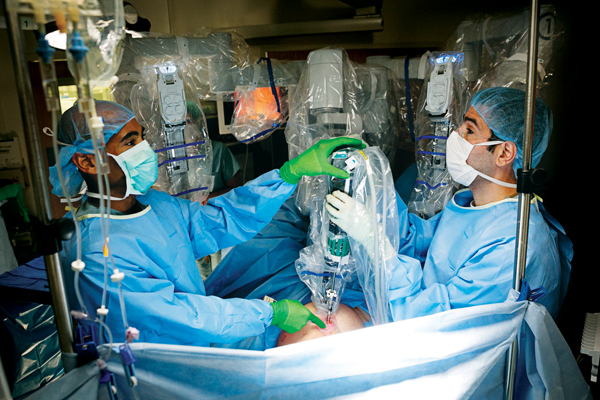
<point x="78" y="293"/>
<point x="62" y="182"/>
<point x="102" y="178"/>
<point x="70" y="204"/>
<point x="122" y="303"/>
<point x="110" y="337"/>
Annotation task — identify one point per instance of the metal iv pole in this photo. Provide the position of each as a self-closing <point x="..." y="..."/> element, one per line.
<point x="28" y="115"/>
<point x="524" y="198"/>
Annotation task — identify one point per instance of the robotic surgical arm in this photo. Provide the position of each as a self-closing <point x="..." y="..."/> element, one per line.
<point x="356" y="229"/>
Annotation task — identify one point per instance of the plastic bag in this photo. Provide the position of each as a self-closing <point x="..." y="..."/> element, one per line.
<point x="328" y="263"/>
<point x="262" y="107"/>
<point x="174" y="125"/>
<point x="496" y="47"/>
<point x="441" y="108"/>
<point x="324" y="105"/>
<point x="379" y="107"/>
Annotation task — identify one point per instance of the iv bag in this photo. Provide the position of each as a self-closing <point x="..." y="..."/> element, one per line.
<point x="102" y="28"/>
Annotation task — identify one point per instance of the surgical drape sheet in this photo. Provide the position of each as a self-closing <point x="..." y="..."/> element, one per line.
<point x="31" y="276"/>
<point x="446" y="356"/>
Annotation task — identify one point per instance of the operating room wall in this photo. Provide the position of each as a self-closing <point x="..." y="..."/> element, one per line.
<point x="410" y="23"/>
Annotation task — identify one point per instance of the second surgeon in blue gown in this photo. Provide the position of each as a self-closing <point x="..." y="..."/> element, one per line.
<point x="155" y="238"/>
<point x="464" y="256"/>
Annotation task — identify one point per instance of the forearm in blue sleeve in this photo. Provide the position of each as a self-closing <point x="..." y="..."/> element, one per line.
<point x="165" y="316"/>
<point x="408" y="297"/>
<point x="238" y="215"/>
<point x="415" y="233"/>
<point x="484" y="279"/>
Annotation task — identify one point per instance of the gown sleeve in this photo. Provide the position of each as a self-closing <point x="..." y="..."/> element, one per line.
<point x="484" y="279"/>
<point x="237" y="216"/>
<point x="164" y="315"/>
<point x="416" y="233"/>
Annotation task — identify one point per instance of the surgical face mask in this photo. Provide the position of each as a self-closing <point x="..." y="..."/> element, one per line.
<point x="457" y="153"/>
<point x="140" y="167"/>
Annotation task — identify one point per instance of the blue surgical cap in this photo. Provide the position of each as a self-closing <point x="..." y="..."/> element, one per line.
<point x="503" y="110"/>
<point x="74" y="136"/>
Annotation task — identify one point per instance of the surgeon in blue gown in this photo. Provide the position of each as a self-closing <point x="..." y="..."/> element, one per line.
<point x="155" y="238"/>
<point x="464" y="256"/>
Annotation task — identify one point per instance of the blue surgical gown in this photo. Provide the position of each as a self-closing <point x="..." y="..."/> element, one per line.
<point x="464" y="256"/>
<point x="156" y="248"/>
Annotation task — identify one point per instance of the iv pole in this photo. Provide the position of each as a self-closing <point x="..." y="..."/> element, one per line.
<point x="524" y="198"/>
<point x="28" y="115"/>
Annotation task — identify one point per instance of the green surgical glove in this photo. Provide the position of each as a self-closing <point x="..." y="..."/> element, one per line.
<point x="291" y="316"/>
<point x="314" y="161"/>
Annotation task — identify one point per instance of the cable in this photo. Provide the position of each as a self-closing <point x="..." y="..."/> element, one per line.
<point x="78" y="293"/>
<point x="110" y="337"/>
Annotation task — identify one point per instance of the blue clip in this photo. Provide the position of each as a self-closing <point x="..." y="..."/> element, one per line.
<point x="77" y="48"/>
<point x="531" y="294"/>
<point x="127" y="359"/>
<point x="87" y="344"/>
<point x="44" y="50"/>
<point x="108" y="378"/>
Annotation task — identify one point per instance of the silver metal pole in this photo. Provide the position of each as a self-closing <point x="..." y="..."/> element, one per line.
<point x="5" y="393"/>
<point x="55" y="279"/>
<point x="524" y="198"/>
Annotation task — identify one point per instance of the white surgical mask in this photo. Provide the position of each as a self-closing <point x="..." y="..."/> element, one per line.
<point x="457" y="153"/>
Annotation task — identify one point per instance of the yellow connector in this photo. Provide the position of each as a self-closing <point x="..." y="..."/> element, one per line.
<point x="73" y="11"/>
<point x="60" y="18"/>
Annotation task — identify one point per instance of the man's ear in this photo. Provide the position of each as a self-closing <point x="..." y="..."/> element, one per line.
<point x="85" y="163"/>
<point x="506" y="153"/>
